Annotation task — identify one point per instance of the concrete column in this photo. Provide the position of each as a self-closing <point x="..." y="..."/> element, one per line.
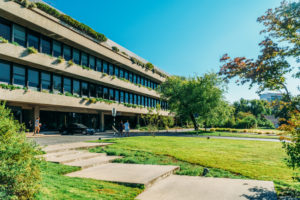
<point x="101" y="121"/>
<point x="138" y="119"/>
<point x="36" y="112"/>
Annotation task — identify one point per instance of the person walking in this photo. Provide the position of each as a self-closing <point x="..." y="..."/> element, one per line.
<point x="121" y="128"/>
<point x="127" y="128"/>
<point x="37" y="126"/>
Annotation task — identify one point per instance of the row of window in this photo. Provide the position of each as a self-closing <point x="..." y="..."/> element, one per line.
<point x="41" y="80"/>
<point x="28" y="38"/>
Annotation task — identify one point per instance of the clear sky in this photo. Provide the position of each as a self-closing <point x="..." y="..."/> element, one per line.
<point x="182" y="37"/>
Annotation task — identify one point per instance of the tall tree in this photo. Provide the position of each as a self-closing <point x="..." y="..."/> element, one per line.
<point x="193" y="97"/>
<point x="282" y="41"/>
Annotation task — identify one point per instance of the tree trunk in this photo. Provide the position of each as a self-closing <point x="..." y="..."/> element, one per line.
<point x="194" y="122"/>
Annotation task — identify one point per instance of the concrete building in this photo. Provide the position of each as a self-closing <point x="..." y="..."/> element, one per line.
<point x="270" y="96"/>
<point x="72" y="77"/>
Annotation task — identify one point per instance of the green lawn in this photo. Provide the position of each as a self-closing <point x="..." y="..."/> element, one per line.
<point x="56" y="186"/>
<point x="239" y="158"/>
<point x="228" y="134"/>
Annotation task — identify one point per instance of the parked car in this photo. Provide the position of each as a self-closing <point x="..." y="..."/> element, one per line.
<point x="77" y="128"/>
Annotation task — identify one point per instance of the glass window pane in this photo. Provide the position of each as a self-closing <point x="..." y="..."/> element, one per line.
<point x="146" y="83"/>
<point x="5" y="72"/>
<point x="19" y="35"/>
<point x="117" y="71"/>
<point x="111" y="69"/>
<point x="121" y="96"/>
<point x="76" y="87"/>
<point x="126" y="97"/>
<point x="117" y="96"/>
<point x="46" y="81"/>
<point x="135" y="99"/>
<point x="84" y="59"/>
<point x="111" y="94"/>
<point x="143" y="101"/>
<point x="130" y="77"/>
<point x="33" y="78"/>
<point x="67" y="85"/>
<point x="126" y="75"/>
<point x="5" y="31"/>
<point x="93" y="91"/>
<point x="46" y="46"/>
<point x="67" y="53"/>
<point x="134" y="78"/>
<point x="142" y="81"/>
<point x="105" y="67"/>
<point x="33" y="41"/>
<point x="100" y="91"/>
<point x="19" y="75"/>
<point x="121" y="73"/>
<point x="85" y="88"/>
<point x="138" y="79"/>
<point x="99" y="65"/>
<point x="57" y="83"/>
<point x="105" y="93"/>
<point x="130" y="98"/>
<point x="92" y="62"/>
<point x="76" y="56"/>
<point x="56" y="49"/>
<point x="138" y="100"/>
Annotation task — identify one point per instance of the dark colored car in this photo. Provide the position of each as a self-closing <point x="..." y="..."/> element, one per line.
<point x="77" y="128"/>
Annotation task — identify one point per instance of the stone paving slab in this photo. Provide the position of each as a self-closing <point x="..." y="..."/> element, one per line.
<point x="126" y="173"/>
<point x="72" y="157"/>
<point x="90" y="162"/>
<point x="193" y="188"/>
<point x="72" y="146"/>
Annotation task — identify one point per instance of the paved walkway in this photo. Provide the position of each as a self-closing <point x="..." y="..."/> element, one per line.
<point x="158" y="179"/>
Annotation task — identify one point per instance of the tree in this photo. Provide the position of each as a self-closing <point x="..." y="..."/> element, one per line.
<point x="194" y="97"/>
<point x="282" y="42"/>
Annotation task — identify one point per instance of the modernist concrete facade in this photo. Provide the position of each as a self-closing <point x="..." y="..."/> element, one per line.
<point x="52" y="82"/>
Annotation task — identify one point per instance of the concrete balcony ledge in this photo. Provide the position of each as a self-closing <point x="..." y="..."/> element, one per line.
<point x="49" y="100"/>
<point x="18" y="54"/>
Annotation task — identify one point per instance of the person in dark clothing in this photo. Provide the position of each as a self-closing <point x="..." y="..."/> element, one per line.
<point x="121" y="127"/>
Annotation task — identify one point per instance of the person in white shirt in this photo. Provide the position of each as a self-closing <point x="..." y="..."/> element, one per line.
<point x="127" y="128"/>
<point x="37" y="126"/>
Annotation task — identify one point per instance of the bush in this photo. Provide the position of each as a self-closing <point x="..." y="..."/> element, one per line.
<point x="115" y="49"/>
<point x="19" y="165"/>
<point x="31" y="50"/>
<point x="246" y="120"/>
<point x="149" y="66"/>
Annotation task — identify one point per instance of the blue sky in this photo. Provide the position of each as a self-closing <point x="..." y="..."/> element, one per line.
<point x="182" y="37"/>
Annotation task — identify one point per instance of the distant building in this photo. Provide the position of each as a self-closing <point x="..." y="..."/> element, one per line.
<point x="270" y="96"/>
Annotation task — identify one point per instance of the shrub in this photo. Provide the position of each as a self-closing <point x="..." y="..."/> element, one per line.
<point x="115" y="49"/>
<point x="70" y="63"/>
<point x="60" y="59"/>
<point x="2" y="40"/>
<point x="245" y="131"/>
<point x="123" y="52"/>
<point x="19" y="165"/>
<point x="93" y="100"/>
<point x="149" y="66"/>
<point x="212" y="129"/>
<point x="32" y="50"/>
<point x="246" y="120"/>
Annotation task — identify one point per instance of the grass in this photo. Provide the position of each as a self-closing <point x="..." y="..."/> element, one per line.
<point x="243" y="135"/>
<point x="57" y="186"/>
<point x="238" y="158"/>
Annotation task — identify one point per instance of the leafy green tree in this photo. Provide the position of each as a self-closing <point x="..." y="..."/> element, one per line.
<point x="282" y="42"/>
<point x="19" y="164"/>
<point x="194" y="97"/>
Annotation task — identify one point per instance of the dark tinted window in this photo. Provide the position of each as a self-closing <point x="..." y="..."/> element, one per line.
<point x="45" y="81"/>
<point x="33" y="78"/>
<point x="76" y="87"/>
<point x="99" y="65"/>
<point x="99" y="91"/>
<point x="76" y="56"/>
<point x="146" y="101"/>
<point x="5" y="31"/>
<point x="111" y="69"/>
<point x="111" y="94"/>
<point x="117" y="71"/>
<point x="121" y="73"/>
<point x="142" y="81"/>
<point x="5" y="72"/>
<point x="121" y="96"/>
<point x="105" y="67"/>
<point x="84" y="59"/>
<point x="19" y="75"/>
<point x="130" y="77"/>
<point x="67" y="53"/>
<point x="67" y="85"/>
<point x="46" y="46"/>
<point x="84" y="88"/>
<point x="33" y="40"/>
<point x="105" y="93"/>
<point x="57" y="83"/>
<point x="135" y="99"/>
<point x="139" y="100"/>
<point x="126" y="97"/>
<point x="56" y="49"/>
<point x="143" y="101"/>
<point x="134" y="78"/>
<point x="117" y="95"/>
<point x="92" y="62"/>
<point x="93" y="90"/>
<point x="146" y="83"/>
<point x="126" y="75"/>
<point x="19" y="35"/>
<point x="138" y="79"/>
